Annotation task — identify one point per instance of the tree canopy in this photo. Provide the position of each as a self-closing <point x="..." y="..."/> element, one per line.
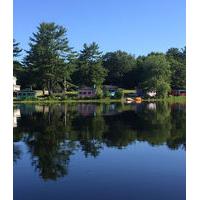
<point x="48" y="57"/>
<point x="16" y="49"/>
<point x="156" y="74"/>
<point x="119" y="64"/>
<point x="90" y="70"/>
<point x="51" y="64"/>
<point x="177" y="60"/>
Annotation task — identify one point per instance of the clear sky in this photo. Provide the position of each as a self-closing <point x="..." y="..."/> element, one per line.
<point x="135" y="26"/>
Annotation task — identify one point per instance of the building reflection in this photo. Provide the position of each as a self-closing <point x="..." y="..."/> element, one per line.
<point x="16" y="115"/>
<point x="151" y="106"/>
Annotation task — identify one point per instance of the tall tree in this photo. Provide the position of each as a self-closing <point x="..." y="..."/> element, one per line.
<point x="16" y="49"/>
<point x="49" y="56"/>
<point x="120" y="66"/>
<point x="18" y="68"/>
<point x="177" y="60"/>
<point x="156" y="75"/>
<point x="90" y="71"/>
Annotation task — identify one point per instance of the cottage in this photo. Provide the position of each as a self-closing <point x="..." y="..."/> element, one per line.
<point x="151" y="93"/>
<point x="178" y="92"/>
<point x="86" y="92"/>
<point x="41" y="92"/>
<point x="26" y="93"/>
<point x="112" y="89"/>
<point x="141" y="93"/>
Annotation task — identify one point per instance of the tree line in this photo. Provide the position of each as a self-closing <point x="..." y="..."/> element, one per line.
<point x="50" y="63"/>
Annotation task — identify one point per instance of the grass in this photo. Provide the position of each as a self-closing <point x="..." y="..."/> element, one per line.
<point x="171" y="99"/>
<point x="129" y="91"/>
<point x="71" y="92"/>
<point x="106" y="100"/>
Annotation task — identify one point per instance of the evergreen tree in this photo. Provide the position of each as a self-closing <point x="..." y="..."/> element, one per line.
<point x="19" y="70"/>
<point x="16" y="49"/>
<point x="49" y="56"/>
<point x="90" y="71"/>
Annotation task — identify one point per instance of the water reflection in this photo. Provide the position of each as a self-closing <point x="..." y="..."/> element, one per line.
<point x="53" y="133"/>
<point x="16" y="115"/>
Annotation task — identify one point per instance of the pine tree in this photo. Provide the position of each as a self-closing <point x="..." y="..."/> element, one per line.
<point x="49" y="56"/>
<point x="90" y="71"/>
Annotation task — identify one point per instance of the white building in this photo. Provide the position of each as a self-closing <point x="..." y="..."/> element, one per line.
<point x="151" y="93"/>
<point x="15" y="86"/>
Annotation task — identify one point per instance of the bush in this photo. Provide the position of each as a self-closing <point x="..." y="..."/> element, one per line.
<point x="119" y="94"/>
<point x="163" y="89"/>
<point x="106" y="94"/>
<point x="63" y="98"/>
<point x="72" y="96"/>
<point x="51" y="97"/>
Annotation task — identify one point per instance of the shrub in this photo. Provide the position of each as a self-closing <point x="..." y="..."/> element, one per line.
<point x="119" y="94"/>
<point x="63" y="98"/>
<point x="106" y="94"/>
<point x="163" y="89"/>
<point x="72" y="96"/>
<point x="51" y="97"/>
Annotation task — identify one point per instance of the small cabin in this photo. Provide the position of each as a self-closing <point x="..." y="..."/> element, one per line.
<point x="41" y="92"/>
<point x="26" y="93"/>
<point x="86" y="92"/>
<point x="178" y="92"/>
<point x="151" y="93"/>
<point x="141" y="93"/>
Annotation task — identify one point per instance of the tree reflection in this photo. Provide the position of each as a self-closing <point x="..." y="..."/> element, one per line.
<point x="178" y="131"/>
<point x="16" y="152"/>
<point x="53" y="133"/>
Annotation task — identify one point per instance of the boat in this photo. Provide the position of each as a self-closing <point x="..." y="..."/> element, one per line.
<point x="136" y="100"/>
<point x="129" y="100"/>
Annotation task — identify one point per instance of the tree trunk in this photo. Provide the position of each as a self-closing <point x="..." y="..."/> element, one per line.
<point x="50" y="87"/>
<point x="64" y="84"/>
<point x="43" y="91"/>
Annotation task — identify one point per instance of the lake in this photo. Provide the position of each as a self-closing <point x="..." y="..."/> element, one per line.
<point x="99" y="151"/>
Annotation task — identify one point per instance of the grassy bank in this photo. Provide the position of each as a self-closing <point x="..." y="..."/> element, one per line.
<point x="173" y="99"/>
<point x="72" y="101"/>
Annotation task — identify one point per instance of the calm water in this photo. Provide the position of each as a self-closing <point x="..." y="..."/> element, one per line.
<point x="99" y="152"/>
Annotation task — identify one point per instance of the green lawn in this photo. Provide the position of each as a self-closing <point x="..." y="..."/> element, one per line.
<point x="129" y="91"/>
<point x="171" y="99"/>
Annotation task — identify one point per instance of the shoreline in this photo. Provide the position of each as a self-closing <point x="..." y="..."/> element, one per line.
<point x="177" y="99"/>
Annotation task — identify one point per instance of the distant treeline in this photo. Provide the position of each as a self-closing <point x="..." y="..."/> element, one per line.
<point x="50" y="63"/>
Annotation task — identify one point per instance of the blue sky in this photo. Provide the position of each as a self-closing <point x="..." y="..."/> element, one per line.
<point x="135" y="26"/>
